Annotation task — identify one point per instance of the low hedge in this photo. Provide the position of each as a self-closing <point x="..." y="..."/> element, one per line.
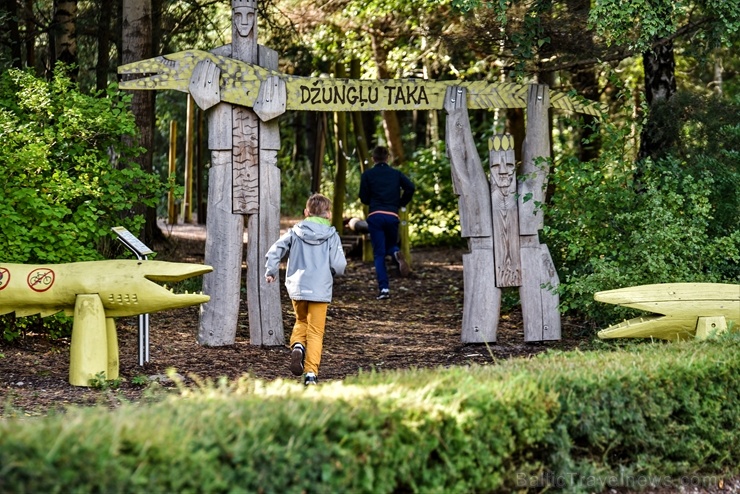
<point x="649" y="414"/>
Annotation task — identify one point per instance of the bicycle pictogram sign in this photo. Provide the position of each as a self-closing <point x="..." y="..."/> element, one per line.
<point x="40" y="279"/>
<point x="4" y="277"/>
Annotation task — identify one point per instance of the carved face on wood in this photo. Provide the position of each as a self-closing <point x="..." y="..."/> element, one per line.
<point x="502" y="174"/>
<point x="244" y="20"/>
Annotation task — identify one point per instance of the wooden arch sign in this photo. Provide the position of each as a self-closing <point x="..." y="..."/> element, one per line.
<point x="213" y="78"/>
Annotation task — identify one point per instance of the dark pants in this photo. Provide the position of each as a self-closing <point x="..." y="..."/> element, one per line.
<point x="383" y="230"/>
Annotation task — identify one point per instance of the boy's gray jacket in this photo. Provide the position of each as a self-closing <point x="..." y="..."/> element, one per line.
<point x="315" y="256"/>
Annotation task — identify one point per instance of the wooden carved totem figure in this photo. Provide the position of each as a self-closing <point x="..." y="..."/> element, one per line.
<point x="501" y="255"/>
<point x="243" y="180"/>
<point x="504" y="208"/>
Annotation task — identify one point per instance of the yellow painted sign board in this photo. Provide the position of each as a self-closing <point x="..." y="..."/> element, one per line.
<point x="218" y="78"/>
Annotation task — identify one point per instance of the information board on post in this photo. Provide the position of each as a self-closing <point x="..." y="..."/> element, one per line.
<point x="134" y="244"/>
<point x="140" y="250"/>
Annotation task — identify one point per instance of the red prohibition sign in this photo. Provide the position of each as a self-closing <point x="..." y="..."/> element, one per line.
<point x="40" y="279"/>
<point x="4" y="277"/>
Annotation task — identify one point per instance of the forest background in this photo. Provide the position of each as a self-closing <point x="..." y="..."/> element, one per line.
<point x="648" y="193"/>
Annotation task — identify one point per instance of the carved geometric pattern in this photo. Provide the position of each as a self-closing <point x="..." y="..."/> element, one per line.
<point x="245" y="162"/>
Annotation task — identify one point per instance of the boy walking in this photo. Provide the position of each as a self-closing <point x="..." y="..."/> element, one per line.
<point x="315" y="256"/>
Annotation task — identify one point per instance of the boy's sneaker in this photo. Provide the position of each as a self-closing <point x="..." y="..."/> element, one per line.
<point x="403" y="266"/>
<point x="384" y="294"/>
<point x="297" y="357"/>
<point x="310" y="379"/>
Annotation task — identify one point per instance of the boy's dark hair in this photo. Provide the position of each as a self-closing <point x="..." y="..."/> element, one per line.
<point x="381" y="154"/>
<point x="318" y="205"/>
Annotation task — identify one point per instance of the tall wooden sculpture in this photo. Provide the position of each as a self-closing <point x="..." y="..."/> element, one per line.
<point x="502" y="223"/>
<point x="243" y="180"/>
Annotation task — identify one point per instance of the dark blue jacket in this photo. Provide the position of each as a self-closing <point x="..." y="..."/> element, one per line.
<point x="384" y="188"/>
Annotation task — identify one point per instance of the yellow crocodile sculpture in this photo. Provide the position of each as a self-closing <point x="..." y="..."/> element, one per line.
<point x="95" y="292"/>
<point x="689" y="310"/>
<point x="212" y="78"/>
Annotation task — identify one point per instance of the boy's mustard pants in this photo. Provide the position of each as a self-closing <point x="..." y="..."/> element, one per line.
<point x="310" y="319"/>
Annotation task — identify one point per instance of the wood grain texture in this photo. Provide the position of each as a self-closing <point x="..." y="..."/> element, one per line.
<point x="223" y="251"/>
<point x="245" y="161"/>
<point x="535" y="161"/>
<point x="271" y="99"/>
<point x="482" y="299"/>
<point x="263" y="299"/>
<point x="505" y="216"/>
<point x="219" y="128"/>
<point x="468" y="179"/>
<point x="538" y="294"/>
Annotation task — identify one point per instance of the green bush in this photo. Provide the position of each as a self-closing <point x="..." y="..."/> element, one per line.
<point x="575" y="422"/>
<point x="605" y="232"/>
<point x="66" y="176"/>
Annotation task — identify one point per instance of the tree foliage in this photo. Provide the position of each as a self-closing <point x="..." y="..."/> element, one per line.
<point x="681" y="226"/>
<point x="60" y="189"/>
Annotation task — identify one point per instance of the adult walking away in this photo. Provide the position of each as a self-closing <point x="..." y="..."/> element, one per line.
<point x="315" y="256"/>
<point x="385" y="190"/>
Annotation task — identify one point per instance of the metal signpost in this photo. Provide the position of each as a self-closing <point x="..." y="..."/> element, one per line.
<point x="141" y="252"/>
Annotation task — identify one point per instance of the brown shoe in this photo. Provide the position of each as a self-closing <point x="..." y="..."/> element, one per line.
<point x="403" y="266"/>
<point x="297" y="356"/>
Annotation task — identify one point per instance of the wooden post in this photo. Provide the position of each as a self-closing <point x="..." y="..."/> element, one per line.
<point x="363" y="155"/>
<point x="538" y="292"/>
<point x="187" y="202"/>
<point x="482" y="299"/>
<point x="340" y="156"/>
<point x="403" y="236"/>
<point x="171" y="210"/>
<point x="199" y="169"/>
<point x="535" y="161"/>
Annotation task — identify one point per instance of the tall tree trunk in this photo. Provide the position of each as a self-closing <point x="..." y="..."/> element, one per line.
<point x="431" y="123"/>
<point x="318" y="147"/>
<point x="341" y="148"/>
<point x="585" y="82"/>
<point x="9" y="10"/>
<point x="136" y="44"/>
<point x="660" y="84"/>
<point x="65" y="34"/>
<point x="157" y="13"/>
<point x="102" y="65"/>
<point x="363" y="150"/>
<point x="30" y="25"/>
<point x="390" y="118"/>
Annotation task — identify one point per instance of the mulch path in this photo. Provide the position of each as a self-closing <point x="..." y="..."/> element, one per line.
<point x="419" y="327"/>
